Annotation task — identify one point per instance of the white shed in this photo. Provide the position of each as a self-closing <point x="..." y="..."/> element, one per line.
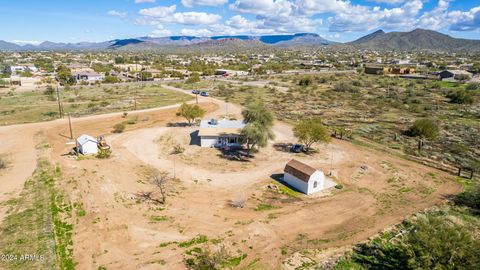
<point x="304" y="178"/>
<point x="87" y="145"/>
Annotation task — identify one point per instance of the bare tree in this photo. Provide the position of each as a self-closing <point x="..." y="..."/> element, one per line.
<point x="239" y="201"/>
<point x="160" y="180"/>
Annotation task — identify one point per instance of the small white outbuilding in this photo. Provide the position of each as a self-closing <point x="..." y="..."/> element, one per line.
<point x="87" y="145"/>
<point x="304" y="178"/>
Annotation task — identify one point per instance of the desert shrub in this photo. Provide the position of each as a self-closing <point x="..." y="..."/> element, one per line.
<point x="50" y="91"/>
<point x="3" y="164"/>
<point x="426" y="128"/>
<point x="460" y="97"/>
<point x="306" y="81"/>
<point x="119" y="128"/>
<point x="473" y="86"/>
<point x="431" y="241"/>
<point x="178" y="149"/>
<point x="219" y="259"/>
<point x="345" y="87"/>
<point x="470" y="197"/>
<point x="104" y="153"/>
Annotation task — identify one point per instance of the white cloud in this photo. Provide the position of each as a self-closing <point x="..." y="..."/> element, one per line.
<point x="389" y="1"/>
<point x="144" y="1"/>
<point x="160" y="14"/>
<point x="117" y="14"/>
<point x="465" y="21"/>
<point x="363" y="18"/>
<point x="160" y="31"/>
<point x="197" y="32"/>
<point x="293" y="16"/>
<point x="212" y="3"/>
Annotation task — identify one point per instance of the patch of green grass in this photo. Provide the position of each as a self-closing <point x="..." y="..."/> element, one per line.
<point x="234" y="261"/>
<point x="38" y="223"/>
<point x="158" y="218"/>
<point x="265" y="207"/>
<point x="200" y="239"/>
<point x="287" y="190"/>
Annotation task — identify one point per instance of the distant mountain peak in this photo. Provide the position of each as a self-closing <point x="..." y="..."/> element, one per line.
<point x="416" y="40"/>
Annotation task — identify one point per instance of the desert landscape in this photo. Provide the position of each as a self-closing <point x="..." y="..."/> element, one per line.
<point x="379" y="190"/>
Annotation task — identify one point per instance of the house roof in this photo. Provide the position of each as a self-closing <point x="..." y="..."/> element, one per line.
<point x="220" y="127"/>
<point x="85" y="138"/>
<point x="299" y="169"/>
<point x="458" y="72"/>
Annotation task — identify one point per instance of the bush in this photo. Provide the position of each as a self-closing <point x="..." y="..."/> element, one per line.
<point x="460" y="97"/>
<point x="426" y="128"/>
<point x="431" y="241"/>
<point x="473" y="86"/>
<point x="345" y="87"/>
<point x="3" y="164"/>
<point x="104" y="153"/>
<point x="119" y="128"/>
<point x="338" y="186"/>
<point x="470" y="197"/>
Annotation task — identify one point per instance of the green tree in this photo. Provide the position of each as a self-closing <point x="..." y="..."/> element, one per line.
<point x="424" y="128"/>
<point x="258" y="131"/>
<point x="255" y="135"/>
<point x="111" y="79"/>
<point x="257" y="112"/>
<point x="194" y="78"/>
<point x="190" y="112"/>
<point x="311" y="131"/>
<point x="64" y="75"/>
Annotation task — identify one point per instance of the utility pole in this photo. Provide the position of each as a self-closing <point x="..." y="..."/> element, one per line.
<point x="70" y="124"/>
<point x="196" y="98"/>
<point x="60" y="108"/>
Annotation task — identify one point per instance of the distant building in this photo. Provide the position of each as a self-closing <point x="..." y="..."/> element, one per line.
<point x="31" y="68"/>
<point x="226" y="72"/>
<point x="454" y="74"/>
<point x="375" y="70"/>
<point x="89" y="77"/>
<point x="220" y="133"/>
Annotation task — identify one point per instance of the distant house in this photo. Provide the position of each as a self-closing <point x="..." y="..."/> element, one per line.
<point x="304" y="178"/>
<point x="31" y="68"/>
<point x="220" y="133"/>
<point x="226" y="72"/>
<point x="454" y="74"/>
<point x="89" y="77"/>
<point x="87" y="145"/>
<point x="375" y="70"/>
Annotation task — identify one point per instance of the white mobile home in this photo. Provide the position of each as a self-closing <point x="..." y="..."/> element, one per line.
<point x="220" y="133"/>
<point x="304" y="178"/>
<point x="87" y="145"/>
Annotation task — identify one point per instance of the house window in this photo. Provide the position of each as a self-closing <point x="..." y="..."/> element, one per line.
<point x="315" y="184"/>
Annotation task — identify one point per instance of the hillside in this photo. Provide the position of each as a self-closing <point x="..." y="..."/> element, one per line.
<point x="416" y="40"/>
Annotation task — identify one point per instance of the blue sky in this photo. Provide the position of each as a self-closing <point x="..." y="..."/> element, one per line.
<point x="99" y="20"/>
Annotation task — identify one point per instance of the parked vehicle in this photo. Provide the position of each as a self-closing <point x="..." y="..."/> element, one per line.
<point x="196" y="92"/>
<point x="296" y="148"/>
<point x="204" y="94"/>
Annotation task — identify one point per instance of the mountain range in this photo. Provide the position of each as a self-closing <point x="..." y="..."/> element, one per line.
<point x="416" y="40"/>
